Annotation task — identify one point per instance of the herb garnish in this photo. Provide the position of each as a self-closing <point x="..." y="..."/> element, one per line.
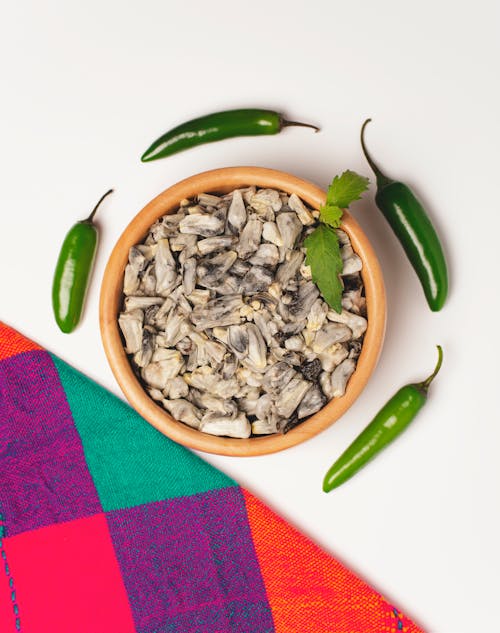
<point x="322" y="245"/>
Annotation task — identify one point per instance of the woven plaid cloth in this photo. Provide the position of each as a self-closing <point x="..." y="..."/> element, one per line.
<point x="107" y="526"/>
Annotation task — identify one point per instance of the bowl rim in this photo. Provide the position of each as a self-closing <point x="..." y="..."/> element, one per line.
<point x="224" y="180"/>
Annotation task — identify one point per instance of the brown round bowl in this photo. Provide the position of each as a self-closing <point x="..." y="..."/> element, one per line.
<point x="223" y="181"/>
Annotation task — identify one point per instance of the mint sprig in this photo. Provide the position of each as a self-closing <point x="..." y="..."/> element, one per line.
<point x="322" y="245"/>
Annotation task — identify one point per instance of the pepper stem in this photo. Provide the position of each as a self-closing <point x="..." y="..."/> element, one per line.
<point x="382" y="179"/>
<point x="285" y="123"/>
<point x="424" y="386"/>
<point x="91" y="216"/>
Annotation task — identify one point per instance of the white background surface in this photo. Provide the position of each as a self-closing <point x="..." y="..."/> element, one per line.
<point x="87" y="86"/>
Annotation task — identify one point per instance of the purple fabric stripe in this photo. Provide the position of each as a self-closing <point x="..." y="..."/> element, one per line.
<point x="189" y="565"/>
<point x="44" y="478"/>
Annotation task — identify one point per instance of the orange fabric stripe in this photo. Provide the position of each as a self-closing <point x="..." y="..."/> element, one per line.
<point x="308" y="590"/>
<point x="12" y="343"/>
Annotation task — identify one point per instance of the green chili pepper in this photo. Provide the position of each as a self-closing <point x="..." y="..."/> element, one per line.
<point x="73" y="269"/>
<point x="412" y="226"/>
<point x="216" y="127"/>
<point x="389" y="422"/>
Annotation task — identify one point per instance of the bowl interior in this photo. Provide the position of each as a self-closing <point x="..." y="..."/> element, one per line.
<point x="223" y="181"/>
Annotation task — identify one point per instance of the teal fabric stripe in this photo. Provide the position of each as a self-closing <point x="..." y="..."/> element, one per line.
<point x="131" y="463"/>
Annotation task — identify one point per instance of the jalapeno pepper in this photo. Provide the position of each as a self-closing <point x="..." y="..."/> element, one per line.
<point x="389" y="422"/>
<point x="73" y="270"/>
<point x="216" y="127"/>
<point x="412" y="226"/>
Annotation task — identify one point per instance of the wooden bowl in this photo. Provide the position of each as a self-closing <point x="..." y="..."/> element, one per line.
<point x="223" y="181"/>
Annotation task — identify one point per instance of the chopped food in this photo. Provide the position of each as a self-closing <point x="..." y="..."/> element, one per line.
<point x="222" y="322"/>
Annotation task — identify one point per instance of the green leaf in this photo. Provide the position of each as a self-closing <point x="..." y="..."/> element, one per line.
<point x="322" y="245"/>
<point x="323" y="256"/>
<point x="331" y="214"/>
<point x="345" y="189"/>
